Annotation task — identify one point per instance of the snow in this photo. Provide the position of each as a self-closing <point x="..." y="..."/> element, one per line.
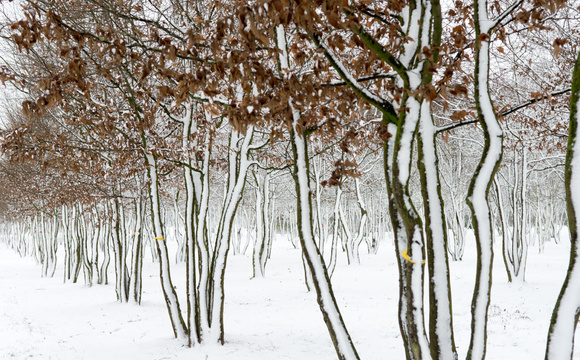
<point x="267" y="319"/>
<point x="281" y="37"/>
<point x="406" y="142"/>
<point x="425" y="27"/>
<point x="412" y="29"/>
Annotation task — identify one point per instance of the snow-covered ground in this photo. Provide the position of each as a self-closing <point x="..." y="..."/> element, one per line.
<point x="266" y="319"/>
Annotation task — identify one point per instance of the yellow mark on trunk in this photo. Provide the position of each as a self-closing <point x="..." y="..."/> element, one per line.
<point x="406" y="256"/>
<point x="159" y="238"/>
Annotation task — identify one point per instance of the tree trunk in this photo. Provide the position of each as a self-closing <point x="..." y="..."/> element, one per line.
<point x="335" y="228"/>
<point x="440" y="314"/>
<point x="567" y="310"/>
<point x="338" y="333"/>
<point x="239" y="164"/>
<point x="135" y="285"/>
<point x="177" y="323"/>
<point x="477" y="195"/>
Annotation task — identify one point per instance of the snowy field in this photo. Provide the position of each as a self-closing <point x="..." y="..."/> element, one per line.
<point x="272" y="318"/>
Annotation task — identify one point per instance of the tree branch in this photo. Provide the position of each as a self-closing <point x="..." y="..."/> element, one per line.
<point x="383" y="105"/>
<point x="503" y="113"/>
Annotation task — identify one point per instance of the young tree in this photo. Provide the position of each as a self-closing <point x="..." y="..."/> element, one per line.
<point x="567" y="310"/>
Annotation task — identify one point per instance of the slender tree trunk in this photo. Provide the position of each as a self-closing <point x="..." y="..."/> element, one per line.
<point x="338" y="333"/>
<point x="477" y="195"/>
<point x="409" y="237"/>
<point x="335" y="232"/>
<point x="505" y="242"/>
<point x="567" y="310"/>
<point x="106" y="240"/>
<point x="440" y="314"/>
<point x="177" y="323"/>
<point x="239" y="164"/>
<point x="202" y="246"/>
<point x="136" y="285"/>
<point x="119" y="249"/>
<point x="257" y="270"/>
<point x="261" y="245"/>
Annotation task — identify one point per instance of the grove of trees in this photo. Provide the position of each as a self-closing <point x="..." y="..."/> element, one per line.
<point x="343" y="123"/>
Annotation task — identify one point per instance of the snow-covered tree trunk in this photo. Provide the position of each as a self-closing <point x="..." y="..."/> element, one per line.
<point x="96" y="222"/>
<point x="119" y="249"/>
<point x="567" y="310"/>
<point x="238" y="165"/>
<point x="440" y="318"/>
<point x="347" y="240"/>
<point x="77" y="244"/>
<point x="199" y="186"/>
<point x="515" y="247"/>
<point x="177" y="323"/>
<point x="105" y="244"/>
<point x="194" y="200"/>
<point x="53" y="244"/>
<point x="455" y="215"/>
<point x="66" y="224"/>
<point x="400" y="238"/>
<point x="477" y="196"/>
<point x="257" y="270"/>
<point x="354" y="240"/>
<point x="85" y="237"/>
<point x="335" y="232"/>
<point x="271" y="204"/>
<point x="409" y="237"/>
<point x="261" y="245"/>
<point x="190" y="256"/>
<point x="178" y="220"/>
<point x="523" y="239"/>
<point x="505" y="237"/>
<point x="136" y="285"/>
<point x="319" y="221"/>
<point x="337" y="329"/>
<point x="49" y="243"/>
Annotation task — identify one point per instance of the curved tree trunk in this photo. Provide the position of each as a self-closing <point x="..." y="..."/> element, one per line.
<point x="332" y="317"/>
<point x="477" y="195"/>
<point x="171" y="300"/>
<point x="567" y="310"/>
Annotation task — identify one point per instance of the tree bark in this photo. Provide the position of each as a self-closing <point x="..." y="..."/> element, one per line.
<point x="330" y="312"/>
<point x="171" y="300"/>
<point x="567" y="310"/>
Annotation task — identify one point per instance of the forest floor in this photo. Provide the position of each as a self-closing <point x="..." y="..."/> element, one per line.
<point x="271" y="318"/>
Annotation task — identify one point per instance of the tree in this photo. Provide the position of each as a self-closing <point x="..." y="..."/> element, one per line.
<point x="567" y="309"/>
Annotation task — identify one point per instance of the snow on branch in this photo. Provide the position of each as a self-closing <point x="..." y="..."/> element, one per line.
<point x="388" y="75"/>
<point x="503" y="15"/>
<point x="505" y="112"/>
<point x="383" y="105"/>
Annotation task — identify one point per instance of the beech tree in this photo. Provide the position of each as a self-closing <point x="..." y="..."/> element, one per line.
<point x="567" y="310"/>
<point x="200" y="88"/>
